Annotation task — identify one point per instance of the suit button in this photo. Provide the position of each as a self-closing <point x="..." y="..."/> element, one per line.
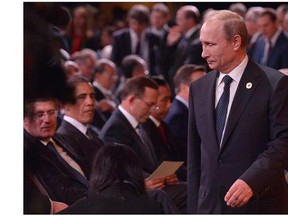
<point x="220" y="162"/>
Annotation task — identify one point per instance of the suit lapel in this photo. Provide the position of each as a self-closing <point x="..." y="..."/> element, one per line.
<point x="242" y="98"/>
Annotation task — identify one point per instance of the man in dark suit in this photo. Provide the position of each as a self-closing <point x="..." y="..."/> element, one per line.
<point x="139" y="96"/>
<point x="159" y="132"/>
<point x="177" y="117"/>
<point x="183" y="45"/>
<point x="272" y="49"/>
<point x="138" y="39"/>
<point x="44" y="159"/>
<point x="75" y="133"/>
<point x="104" y="79"/>
<point x="238" y="135"/>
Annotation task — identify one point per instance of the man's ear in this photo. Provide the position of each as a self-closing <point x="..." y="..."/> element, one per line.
<point x="131" y="99"/>
<point x="237" y="40"/>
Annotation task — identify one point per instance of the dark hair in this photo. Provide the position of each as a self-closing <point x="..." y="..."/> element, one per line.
<point x="100" y="66"/>
<point x="29" y="105"/>
<point x="137" y="86"/>
<point x="191" y="12"/>
<point x="71" y="88"/>
<point x="116" y="163"/>
<point x="140" y="13"/>
<point x="271" y="13"/>
<point x="183" y="74"/>
<point x="159" y="81"/>
<point x="129" y="63"/>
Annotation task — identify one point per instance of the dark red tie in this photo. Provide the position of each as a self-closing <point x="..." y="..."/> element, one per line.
<point x="163" y="133"/>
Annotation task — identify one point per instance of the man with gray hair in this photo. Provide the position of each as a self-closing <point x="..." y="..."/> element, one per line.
<point x="238" y="127"/>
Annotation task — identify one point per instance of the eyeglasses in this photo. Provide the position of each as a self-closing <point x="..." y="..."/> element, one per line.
<point x="41" y="115"/>
<point x="151" y="107"/>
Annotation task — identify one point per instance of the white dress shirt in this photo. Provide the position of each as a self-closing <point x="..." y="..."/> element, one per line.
<point x="236" y="75"/>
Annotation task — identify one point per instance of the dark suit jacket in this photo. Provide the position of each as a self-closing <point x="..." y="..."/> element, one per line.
<point x="112" y="201"/>
<point x="190" y="54"/>
<point x="177" y="120"/>
<point x="57" y="178"/>
<point x="118" y="130"/>
<point x="277" y="58"/>
<point x="164" y="150"/>
<point x="254" y="146"/>
<point x="81" y="149"/>
<point x="122" y="48"/>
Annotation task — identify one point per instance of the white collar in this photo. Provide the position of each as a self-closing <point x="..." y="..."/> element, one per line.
<point x="156" y="121"/>
<point x="81" y="127"/>
<point x="236" y="73"/>
<point x="182" y="100"/>
<point x="129" y="117"/>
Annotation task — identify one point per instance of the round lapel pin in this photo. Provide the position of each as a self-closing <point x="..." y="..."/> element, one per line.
<point x="249" y="85"/>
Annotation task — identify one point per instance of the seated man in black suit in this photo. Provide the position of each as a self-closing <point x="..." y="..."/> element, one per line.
<point x="177" y="117"/>
<point x="139" y="96"/>
<point x="45" y="161"/>
<point x="158" y="130"/>
<point x="75" y="133"/>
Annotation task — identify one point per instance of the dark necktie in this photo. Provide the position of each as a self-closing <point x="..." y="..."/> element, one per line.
<point x="222" y="107"/>
<point x="138" y="48"/>
<point x="64" y="163"/>
<point x="91" y="134"/>
<point x="147" y="144"/>
<point x="163" y="133"/>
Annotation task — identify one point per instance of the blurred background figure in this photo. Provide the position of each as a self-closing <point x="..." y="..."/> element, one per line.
<point x="116" y="185"/>
<point x="251" y="17"/>
<point x="183" y="45"/>
<point x="81" y="34"/>
<point x="281" y="10"/>
<point x="71" y="69"/>
<point x="159" y="18"/>
<point x="273" y="48"/>
<point x="106" y="42"/>
<point x="105" y="77"/>
<point x="86" y="60"/>
<point x="238" y="8"/>
<point x="139" y="40"/>
<point x="177" y="117"/>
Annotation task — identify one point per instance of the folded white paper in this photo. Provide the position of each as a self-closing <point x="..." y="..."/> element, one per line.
<point x="166" y="168"/>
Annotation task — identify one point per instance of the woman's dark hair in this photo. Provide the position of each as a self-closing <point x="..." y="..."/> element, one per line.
<point x="116" y="163"/>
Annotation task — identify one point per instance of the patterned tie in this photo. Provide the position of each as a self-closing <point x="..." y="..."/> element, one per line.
<point x="147" y="144"/>
<point x="222" y="107"/>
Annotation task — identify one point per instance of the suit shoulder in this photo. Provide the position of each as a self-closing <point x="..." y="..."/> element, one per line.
<point x="121" y="32"/>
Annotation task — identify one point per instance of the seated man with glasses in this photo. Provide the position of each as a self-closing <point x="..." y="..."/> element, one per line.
<point x="138" y="100"/>
<point x="47" y="165"/>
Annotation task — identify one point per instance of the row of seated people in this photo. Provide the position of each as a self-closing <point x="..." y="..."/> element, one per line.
<point x="66" y="181"/>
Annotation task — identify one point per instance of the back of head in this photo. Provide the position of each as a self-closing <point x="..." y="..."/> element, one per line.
<point x="116" y="163"/>
<point x="233" y="24"/>
<point x="140" y="13"/>
<point x="253" y="13"/>
<point x="129" y="63"/>
<point x="238" y="8"/>
<point x="192" y="12"/>
<point x="136" y="86"/>
<point x="183" y="74"/>
<point x="160" y="7"/>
